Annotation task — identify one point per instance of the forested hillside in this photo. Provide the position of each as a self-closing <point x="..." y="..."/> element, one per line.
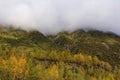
<point x="80" y="55"/>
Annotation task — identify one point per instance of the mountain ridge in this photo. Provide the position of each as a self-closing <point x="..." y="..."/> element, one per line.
<point x="105" y="45"/>
<point x="80" y="55"/>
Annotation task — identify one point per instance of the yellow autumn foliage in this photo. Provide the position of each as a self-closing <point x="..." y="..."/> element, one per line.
<point x="111" y="76"/>
<point x="18" y="65"/>
<point x="95" y="60"/>
<point x="79" y="58"/>
<point x="89" y="58"/>
<point x="66" y="67"/>
<point x="53" y="71"/>
<point x="4" y="64"/>
<point x="93" y="78"/>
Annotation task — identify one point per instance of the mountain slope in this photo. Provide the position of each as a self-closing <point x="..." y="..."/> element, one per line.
<point x="80" y="55"/>
<point x="104" y="45"/>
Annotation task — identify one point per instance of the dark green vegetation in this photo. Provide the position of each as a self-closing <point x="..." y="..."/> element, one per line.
<point x="106" y="46"/>
<point x="80" y="55"/>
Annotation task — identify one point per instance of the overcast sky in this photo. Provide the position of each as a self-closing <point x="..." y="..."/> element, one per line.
<point x="53" y="16"/>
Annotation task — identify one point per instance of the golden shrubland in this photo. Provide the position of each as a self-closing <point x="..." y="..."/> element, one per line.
<point x="65" y="67"/>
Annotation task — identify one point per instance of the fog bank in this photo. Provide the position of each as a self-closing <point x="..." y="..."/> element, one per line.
<point x="53" y="16"/>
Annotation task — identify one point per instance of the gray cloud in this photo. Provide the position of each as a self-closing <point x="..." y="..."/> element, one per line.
<point x="53" y="16"/>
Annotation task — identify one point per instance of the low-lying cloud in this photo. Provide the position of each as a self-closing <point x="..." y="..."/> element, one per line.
<point x="53" y="16"/>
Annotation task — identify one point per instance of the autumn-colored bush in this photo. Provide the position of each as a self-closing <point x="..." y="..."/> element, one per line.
<point x="15" y="67"/>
